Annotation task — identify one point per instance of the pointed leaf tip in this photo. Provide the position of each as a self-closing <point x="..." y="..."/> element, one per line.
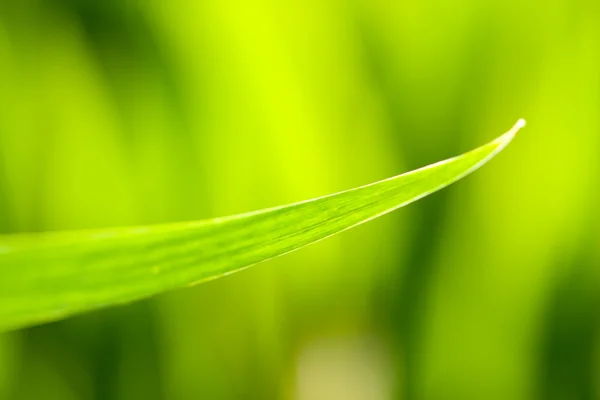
<point x="50" y="276"/>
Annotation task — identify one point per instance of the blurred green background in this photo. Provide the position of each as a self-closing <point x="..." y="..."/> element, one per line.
<point x="119" y="112"/>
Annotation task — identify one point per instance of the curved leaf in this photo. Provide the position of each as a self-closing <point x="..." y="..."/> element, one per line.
<point x="49" y="276"/>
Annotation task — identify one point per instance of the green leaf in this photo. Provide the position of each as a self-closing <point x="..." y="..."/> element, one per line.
<point x="49" y="276"/>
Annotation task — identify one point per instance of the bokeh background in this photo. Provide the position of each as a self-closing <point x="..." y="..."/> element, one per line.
<point x="119" y="112"/>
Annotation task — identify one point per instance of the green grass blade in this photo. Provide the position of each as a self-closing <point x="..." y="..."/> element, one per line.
<point x="49" y="276"/>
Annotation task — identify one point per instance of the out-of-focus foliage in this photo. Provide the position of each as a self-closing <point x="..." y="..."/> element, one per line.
<point x="122" y="112"/>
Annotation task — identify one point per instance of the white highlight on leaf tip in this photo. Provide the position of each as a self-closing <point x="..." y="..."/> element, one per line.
<point x="505" y="139"/>
<point x="518" y="125"/>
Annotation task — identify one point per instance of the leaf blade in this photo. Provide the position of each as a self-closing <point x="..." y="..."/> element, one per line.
<point x="53" y="275"/>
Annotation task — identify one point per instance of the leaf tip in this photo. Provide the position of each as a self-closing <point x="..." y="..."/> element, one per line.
<point x="520" y="124"/>
<point x="505" y="139"/>
<point x="516" y="128"/>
